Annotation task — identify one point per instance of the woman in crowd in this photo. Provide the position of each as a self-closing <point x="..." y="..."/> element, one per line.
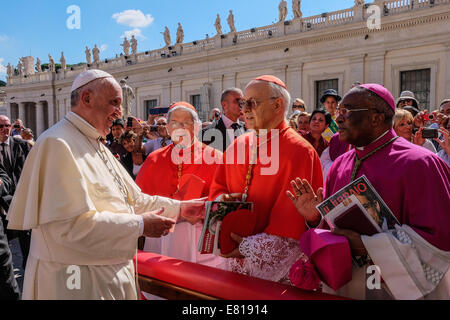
<point x="27" y="135"/>
<point x="444" y="143"/>
<point x="293" y="120"/>
<point x="403" y="126"/>
<point x="135" y="157"/>
<point x="319" y="122"/>
<point x="303" y="122"/>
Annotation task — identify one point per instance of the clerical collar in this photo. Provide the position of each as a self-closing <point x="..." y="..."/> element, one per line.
<point x="388" y="135"/>
<point x="83" y="125"/>
<point x="362" y="148"/>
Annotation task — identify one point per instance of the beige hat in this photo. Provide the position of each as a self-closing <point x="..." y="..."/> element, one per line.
<point x="444" y="102"/>
<point x="405" y="95"/>
<point x="88" y="76"/>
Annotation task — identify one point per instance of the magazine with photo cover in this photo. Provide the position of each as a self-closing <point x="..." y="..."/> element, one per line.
<point x="216" y="211"/>
<point x="351" y="215"/>
<point x="358" y="207"/>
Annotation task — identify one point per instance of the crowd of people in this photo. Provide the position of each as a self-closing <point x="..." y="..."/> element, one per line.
<point x="409" y="123"/>
<point x="95" y="183"/>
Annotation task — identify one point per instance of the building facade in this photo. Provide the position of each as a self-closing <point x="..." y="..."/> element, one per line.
<point x="3" y="110"/>
<point x="402" y="44"/>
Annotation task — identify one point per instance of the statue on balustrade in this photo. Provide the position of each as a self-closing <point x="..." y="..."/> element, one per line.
<point x="128" y="97"/>
<point x="180" y="34"/>
<point x="63" y="61"/>
<point x="134" y="45"/>
<point x="96" y="54"/>
<point x="9" y="70"/>
<point x="230" y="21"/>
<point x="126" y="46"/>
<point x="51" y="64"/>
<point x="20" y="68"/>
<point x="359" y="2"/>
<point x="218" y="25"/>
<point x="167" y="38"/>
<point x="88" y="55"/>
<point x="38" y="65"/>
<point x="282" y="7"/>
<point x="297" y="9"/>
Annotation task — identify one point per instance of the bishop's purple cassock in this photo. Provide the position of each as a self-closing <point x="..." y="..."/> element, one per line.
<point x="412" y="181"/>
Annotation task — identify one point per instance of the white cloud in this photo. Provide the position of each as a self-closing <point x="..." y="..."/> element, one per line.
<point x="137" y="33"/>
<point x="3" y="37"/>
<point x="133" y="18"/>
<point x="2" y="67"/>
<point x="103" y="47"/>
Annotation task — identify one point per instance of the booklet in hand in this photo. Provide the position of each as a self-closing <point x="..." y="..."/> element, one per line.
<point x="358" y="207"/>
<point x="191" y="187"/>
<point x="222" y="219"/>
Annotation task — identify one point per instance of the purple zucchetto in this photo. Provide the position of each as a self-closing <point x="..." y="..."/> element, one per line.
<point x="382" y="92"/>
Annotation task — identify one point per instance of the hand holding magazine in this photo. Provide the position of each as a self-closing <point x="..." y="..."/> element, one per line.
<point x="358" y="207"/>
<point x="222" y="219"/>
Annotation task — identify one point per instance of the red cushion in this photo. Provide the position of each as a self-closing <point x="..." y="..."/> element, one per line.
<point x="241" y="222"/>
<point x="219" y="283"/>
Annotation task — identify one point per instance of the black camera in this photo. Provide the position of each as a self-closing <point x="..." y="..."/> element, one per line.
<point x="217" y="115"/>
<point x="153" y="128"/>
<point x="430" y="133"/>
<point x="17" y="126"/>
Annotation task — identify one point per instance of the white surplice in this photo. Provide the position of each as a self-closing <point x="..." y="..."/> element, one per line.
<point x="84" y="232"/>
<point x="410" y="267"/>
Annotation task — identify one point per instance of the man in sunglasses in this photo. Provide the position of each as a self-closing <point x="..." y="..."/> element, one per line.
<point x="413" y="182"/>
<point x="221" y="133"/>
<point x="299" y="105"/>
<point x="277" y="224"/>
<point x="13" y="153"/>
<point x="163" y="139"/>
<point x="17" y="128"/>
<point x="9" y="290"/>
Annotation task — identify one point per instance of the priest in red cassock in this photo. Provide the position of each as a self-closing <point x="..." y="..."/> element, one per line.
<point x="414" y="257"/>
<point x="258" y="167"/>
<point x="182" y="170"/>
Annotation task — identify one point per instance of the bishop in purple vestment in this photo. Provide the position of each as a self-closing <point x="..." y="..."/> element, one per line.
<point x="413" y="182"/>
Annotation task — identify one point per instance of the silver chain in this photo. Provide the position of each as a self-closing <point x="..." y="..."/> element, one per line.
<point x="112" y="170"/>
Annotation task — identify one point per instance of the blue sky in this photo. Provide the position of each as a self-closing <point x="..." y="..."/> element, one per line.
<point x="38" y="27"/>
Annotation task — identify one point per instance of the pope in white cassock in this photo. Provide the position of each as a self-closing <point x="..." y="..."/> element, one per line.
<point x="85" y="212"/>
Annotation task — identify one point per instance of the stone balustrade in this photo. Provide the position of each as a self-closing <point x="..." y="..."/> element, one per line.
<point x="200" y="45"/>
<point x="256" y="34"/>
<point x="388" y="7"/>
<point x="399" y="6"/>
<point x="329" y="19"/>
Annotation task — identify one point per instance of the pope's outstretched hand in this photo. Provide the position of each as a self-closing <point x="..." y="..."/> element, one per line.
<point x="156" y="225"/>
<point x="305" y="200"/>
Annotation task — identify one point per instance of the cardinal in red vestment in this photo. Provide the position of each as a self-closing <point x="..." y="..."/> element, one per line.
<point x="183" y="171"/>
<point x="258" y="168"/>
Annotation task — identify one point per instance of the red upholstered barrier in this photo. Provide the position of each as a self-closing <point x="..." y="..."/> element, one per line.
<point x="218" y="283"/>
